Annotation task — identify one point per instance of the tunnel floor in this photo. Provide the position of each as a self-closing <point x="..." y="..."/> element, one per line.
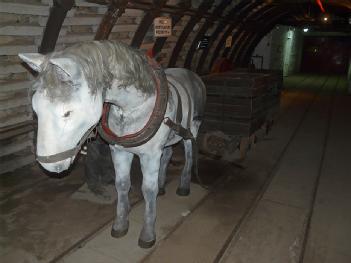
<point x="289" y="201"/>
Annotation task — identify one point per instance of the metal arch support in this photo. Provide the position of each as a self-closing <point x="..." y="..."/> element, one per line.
<point x="238" y="28"/>
<point x="245" y="58"/>
<point x="53" y="26"/>
<point x="205" y="5"/>
<point x="245" y="34"/>
<point x="231" y="28"/>
<point x="146" y="22"/>
<point x="241" y="33"/>
<point x="237" y="54"/>
<point x="276" y="14"/>
<point x="209" y="22"/>
<point x="228" y="32"/>
<point x="236" y="49"/>
<point x="218" y="30"/>
<point x="114" y="11"/>
<point x="252" y="42"/>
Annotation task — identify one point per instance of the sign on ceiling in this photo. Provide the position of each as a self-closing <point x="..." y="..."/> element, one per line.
<point x="162" y="26"/>
<point x="203" y="43"/>
<point x="228" y="41"/>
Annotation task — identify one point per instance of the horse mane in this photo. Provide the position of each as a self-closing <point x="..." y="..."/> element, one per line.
<point x="101" y="63"/>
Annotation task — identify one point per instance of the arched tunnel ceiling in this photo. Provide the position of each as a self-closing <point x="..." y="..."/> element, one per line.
<point x="246" y="21"/>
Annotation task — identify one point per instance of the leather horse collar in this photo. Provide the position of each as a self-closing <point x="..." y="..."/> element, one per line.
<point x="151" y="127"/>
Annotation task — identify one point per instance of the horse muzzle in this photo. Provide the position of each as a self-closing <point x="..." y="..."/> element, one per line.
<point x="59" y="162"/>
<point x="57" y="167"/>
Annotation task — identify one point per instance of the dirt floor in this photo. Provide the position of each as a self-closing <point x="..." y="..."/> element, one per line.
<point x="288" y="202"/>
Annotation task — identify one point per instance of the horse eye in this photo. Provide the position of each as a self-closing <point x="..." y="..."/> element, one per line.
<point x="67" y="114"/>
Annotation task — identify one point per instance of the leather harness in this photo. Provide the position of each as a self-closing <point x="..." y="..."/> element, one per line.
<point x="154" y="122"/>
<point x="146" y="133"/>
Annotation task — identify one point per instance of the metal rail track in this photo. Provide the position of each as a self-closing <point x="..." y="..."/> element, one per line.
<point x="233" y="235"/>
<point x="81" y="242"/>
<point x="306" y="79"/>
<point x="320" y="168"/>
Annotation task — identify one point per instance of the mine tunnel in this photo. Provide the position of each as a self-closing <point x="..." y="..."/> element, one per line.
<point x="175" y="131"/>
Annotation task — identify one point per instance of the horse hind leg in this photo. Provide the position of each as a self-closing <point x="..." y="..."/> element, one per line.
<point x="190" y="149"/>
<point x="122" y="162"/>
<point x="166" y="157"/>
<point x="184" y="185"/>
<point x="150" y="166"/>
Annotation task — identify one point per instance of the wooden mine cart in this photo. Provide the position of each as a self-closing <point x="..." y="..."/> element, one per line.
<point x="241" y="103"/>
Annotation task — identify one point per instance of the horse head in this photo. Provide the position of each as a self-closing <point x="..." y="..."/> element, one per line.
<point x="65" y="107"/>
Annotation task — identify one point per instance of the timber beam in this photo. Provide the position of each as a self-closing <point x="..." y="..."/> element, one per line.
<point x="114" y="11"/>
<point x="146" y="22"/>
<point x="53" y="26"/>
<point x="208" y="23"/>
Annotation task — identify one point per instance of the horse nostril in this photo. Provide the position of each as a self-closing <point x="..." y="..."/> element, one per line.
<point x="59" y="168"/>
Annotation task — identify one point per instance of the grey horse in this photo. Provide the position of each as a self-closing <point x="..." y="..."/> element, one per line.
<point x="71" y="91"/>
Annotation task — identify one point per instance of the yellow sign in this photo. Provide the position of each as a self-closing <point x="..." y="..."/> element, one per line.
<point x="162" y="26"/>
<point x="228" y="41"/>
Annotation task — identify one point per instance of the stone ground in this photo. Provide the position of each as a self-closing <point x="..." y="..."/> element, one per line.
<point x="289" y="203"/>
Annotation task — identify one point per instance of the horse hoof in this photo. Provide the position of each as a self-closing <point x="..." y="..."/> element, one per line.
<point x="183" y="192"/>
<point x="161" y="191"/>
<point x="119" y="233"/>
<point x="146" y="244"/>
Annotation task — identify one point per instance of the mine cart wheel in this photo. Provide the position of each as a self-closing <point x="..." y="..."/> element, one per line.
<point x="269" y="124"/>
<point x="253" y="140"/>
<point x="244" y="147"/>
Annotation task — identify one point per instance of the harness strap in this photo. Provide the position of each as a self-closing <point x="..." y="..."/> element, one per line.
<point x="179" y="115"/>
<point x="186" y="134"/>
<point x="179" y="129"/>
<point x="66" y="154"/>
<point x="190" y="106"/>
<point x="183" y="132"/>
<point x="58" y="157"/>
<point x="172" y="81"/>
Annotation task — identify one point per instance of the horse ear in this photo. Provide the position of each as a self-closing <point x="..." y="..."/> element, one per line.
<point x="34" y="60"/>
<point x="65" y="64"/>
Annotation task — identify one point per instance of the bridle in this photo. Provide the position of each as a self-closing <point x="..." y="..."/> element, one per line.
<point x="66" y="154"/>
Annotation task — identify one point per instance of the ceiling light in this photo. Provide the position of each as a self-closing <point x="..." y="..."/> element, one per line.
<point x="326" y="18"/>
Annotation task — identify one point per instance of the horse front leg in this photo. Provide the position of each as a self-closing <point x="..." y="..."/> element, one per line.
<point x="184" y="186"/>
<point x="122" y="162"/>
<point x="150" y="166"/>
